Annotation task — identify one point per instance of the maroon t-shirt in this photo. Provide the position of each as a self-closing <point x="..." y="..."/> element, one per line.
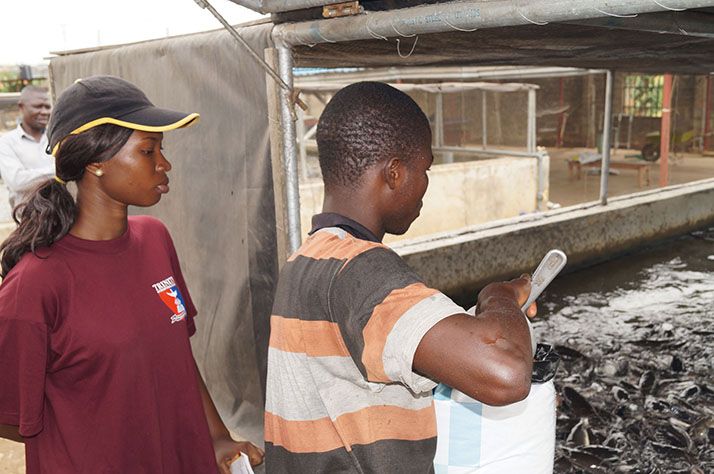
<point x="95" y="362"/>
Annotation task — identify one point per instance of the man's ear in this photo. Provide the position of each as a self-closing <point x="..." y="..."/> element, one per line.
<point x="393" y="172"/>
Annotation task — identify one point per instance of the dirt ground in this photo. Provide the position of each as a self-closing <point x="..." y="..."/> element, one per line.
<point x="12" y="457"/>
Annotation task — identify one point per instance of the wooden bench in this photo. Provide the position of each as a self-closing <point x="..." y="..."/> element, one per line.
<point x="575" y="169"/>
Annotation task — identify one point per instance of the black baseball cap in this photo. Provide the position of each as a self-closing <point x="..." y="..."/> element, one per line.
<point x="98" y="100"/>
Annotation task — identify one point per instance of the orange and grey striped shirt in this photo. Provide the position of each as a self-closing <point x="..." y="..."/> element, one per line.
<point x="341" y="393"/>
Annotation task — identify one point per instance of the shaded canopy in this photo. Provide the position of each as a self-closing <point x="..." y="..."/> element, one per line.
<point x="650" y="43"/>
<point x="653" y="36"/>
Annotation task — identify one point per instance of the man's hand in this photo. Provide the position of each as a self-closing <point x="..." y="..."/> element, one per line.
<point x="226" y="449"/>
<point x="518" y="289"/>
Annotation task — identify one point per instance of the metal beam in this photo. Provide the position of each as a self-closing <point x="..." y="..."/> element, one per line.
<point x="301" y="136"/>
<point x="287" y="123"/>
<point x="465" y="15"/>
<point x="606" y="127"/>
<point x="693" y="24"/>
<point x="439" y="119"/>
<point x="276" y="6"/>
<point x="531" y="139"/>
<point x="665" y="129"/>
<point x="446" y="73"/>
<point x="255" y="5"/>
<point x="707" y="115"/>
<point x="484" y="120"/>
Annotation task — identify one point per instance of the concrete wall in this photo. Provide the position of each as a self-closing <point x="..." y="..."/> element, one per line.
<point x="459" y="195"/>
<point x="460" y="263"/>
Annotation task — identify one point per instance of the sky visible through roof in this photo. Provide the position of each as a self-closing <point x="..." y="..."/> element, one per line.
<point x="30" y="29"/>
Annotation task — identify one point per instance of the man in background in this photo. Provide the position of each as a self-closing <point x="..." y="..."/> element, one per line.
<point x="23" y="156"/>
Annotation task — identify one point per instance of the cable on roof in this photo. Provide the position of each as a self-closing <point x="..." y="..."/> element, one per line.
<point x="669" y="8"/>
<point x="539" y="23"/>
<point x="614" y="14"/>
<point x="410" y="52"/>
<point x="373" y="34"/>
<point x="401" y="34"/>
<point x="465" y="30"/>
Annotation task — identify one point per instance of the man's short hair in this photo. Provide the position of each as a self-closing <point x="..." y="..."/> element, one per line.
<point x="364" y="124"/>
<point x="27" y="91"/>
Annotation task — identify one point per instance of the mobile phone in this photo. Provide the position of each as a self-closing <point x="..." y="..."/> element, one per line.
<point x="547" y="270"/>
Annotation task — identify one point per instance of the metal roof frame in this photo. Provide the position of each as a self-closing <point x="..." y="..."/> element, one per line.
<point x="464" y="17"/>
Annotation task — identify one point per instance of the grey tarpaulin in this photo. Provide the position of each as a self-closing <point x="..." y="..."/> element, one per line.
<point x="220" y="210"/>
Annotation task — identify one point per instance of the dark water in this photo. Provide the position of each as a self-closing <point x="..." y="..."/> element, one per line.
<point x="636" y="380"/>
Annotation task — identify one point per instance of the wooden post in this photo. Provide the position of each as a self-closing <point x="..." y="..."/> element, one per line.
<point x="665" y="131"/>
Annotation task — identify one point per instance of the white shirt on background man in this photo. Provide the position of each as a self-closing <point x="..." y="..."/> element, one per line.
<point x="23" y="161"/>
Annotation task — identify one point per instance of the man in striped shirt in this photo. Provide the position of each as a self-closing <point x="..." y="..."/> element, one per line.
<point x="357" y="340"/>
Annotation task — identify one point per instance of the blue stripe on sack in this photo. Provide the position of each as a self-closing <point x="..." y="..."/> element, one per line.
<point x="442" y="392"/>
<point x="439" y="469"/>
<point x="465" y="434"/>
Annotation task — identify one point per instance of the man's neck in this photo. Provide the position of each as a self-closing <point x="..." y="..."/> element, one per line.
<point x="34" y="133"/>
<point x="353" y="208"/>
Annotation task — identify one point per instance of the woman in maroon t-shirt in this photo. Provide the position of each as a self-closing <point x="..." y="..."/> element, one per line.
<point x="95" y="317"/>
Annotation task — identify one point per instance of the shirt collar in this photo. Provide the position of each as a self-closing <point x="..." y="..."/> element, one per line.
<point x="354" y="228"/>
<point x="23" y="134"/>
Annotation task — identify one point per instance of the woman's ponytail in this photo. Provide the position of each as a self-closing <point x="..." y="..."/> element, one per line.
<point x="46" y="216"/>
<point x="50" y="211"/>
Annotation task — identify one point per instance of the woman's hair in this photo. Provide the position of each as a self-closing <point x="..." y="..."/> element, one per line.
<point x="50" y="211"/>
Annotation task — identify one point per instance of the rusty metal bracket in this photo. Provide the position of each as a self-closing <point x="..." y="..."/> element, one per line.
<point x="342" y="9"/>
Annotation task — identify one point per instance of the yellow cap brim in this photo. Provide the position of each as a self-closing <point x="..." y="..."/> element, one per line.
<point x="186" y="121"/>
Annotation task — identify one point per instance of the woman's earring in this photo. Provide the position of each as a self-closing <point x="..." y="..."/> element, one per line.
<point x="99" y="173"/>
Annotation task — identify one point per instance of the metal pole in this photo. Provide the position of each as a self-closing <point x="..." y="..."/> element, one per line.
<point x="287" y="122"/>
<point x="439" y="119"/>
<point x="456" y="73"/>
<point x="541" y="203"/>
<point x="707" y="114"/>
<point x="561" y="116"/>
<point x="629" y="132"/>
<point x="664" y="131"/>
<point x="467" y="14"/>
<point x="302" y="138"/>
<point x="448" y="156"/>
<point x="531" y="140"/>
<point x="484" y="120"/>
<point x="606" y="125"/>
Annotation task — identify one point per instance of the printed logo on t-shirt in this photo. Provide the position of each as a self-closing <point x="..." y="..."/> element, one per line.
<point x="171" y="296"/>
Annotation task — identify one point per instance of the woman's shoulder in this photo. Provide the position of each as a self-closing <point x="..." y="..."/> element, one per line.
<point x="148" y="230"/>
<point x="146" y="222"/>
<point x="37" y="274"/>
<point x="45" y="261"/>
<point x="147" y="225"/>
